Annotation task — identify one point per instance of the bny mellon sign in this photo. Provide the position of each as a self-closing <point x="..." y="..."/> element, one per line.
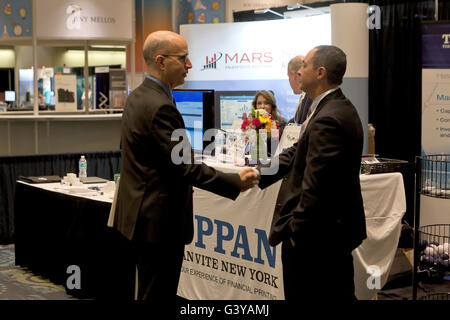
<point x="84" y="19"/>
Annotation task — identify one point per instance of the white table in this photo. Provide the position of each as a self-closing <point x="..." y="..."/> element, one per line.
<point x="239" y="264"/>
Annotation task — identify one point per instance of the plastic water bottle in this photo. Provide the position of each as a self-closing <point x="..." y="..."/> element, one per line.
<point x="82" y="166"/>
<point x="219" y="143"/>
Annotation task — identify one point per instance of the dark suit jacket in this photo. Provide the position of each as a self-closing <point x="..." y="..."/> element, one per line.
<point x="302" y="111"/>
<point x="155" y="195"/>
<point x="320" y="200"/>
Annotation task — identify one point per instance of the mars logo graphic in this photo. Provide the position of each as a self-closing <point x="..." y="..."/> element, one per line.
<point x="74" y="19"/>
<point x="211" y="63"/>
<point x="239" y="60"/>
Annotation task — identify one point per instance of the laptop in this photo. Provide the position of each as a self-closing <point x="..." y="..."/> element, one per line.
<point x="40" y="179"/>
<point x="89" y="180"/>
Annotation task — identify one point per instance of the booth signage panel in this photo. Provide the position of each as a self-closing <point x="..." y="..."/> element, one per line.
<point x="230" y="257"/>
<point x="84" y="19"/>
<point x="436" y="88"/>
<point x="251" y="50"/>
<point x="252" y="55"/>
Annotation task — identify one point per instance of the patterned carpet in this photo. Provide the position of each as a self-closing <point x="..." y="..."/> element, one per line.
<point x="17" y="283"/>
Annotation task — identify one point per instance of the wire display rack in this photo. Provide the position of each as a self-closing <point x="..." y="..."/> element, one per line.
<point x="431" y="242"/>
<point x="435" y="172"/>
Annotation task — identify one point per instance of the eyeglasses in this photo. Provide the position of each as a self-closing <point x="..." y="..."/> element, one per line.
<point x="184" y="57"/>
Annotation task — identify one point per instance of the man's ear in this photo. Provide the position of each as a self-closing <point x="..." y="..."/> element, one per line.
<point x="321" y="73"/>
<point x="159" y="61"/>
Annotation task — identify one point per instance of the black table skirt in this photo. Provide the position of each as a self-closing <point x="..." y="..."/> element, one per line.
<point x="55" y="231"/>
<point x="102" y="164"/>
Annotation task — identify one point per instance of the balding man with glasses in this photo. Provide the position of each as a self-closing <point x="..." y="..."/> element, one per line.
<point x="154" y="204"/>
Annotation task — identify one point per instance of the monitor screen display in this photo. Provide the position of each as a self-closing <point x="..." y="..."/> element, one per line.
<point x="10" y="96"/>
<point x="197" y="109"/>
<point x="230" y="105"/>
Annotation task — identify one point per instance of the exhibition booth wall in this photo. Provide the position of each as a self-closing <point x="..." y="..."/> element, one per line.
<point x="254" y="55"/>
<point x="49" y="113"/>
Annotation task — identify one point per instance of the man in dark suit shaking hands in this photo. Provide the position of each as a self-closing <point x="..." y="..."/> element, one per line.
<point x="154" y="204"/>
<point x="319" y="214"/>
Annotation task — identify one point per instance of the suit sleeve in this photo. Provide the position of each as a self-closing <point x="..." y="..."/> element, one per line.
<point x="325" y="145"/>
<point x="177" y="156"/>
<point x="284" y="160"/>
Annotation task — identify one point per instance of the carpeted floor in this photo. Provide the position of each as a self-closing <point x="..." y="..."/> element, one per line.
<point x="401" y="289"/>
<point x="17" y="283"/>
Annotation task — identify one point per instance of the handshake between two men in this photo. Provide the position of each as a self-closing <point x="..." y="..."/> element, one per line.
<point x="249" y="178"/>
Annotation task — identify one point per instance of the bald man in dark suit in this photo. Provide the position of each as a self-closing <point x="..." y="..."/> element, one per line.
<point x="154" y="204"/>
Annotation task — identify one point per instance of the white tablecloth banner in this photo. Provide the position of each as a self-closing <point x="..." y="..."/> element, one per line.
<point x="230" y="257"/>
<point x="384" y="206"/>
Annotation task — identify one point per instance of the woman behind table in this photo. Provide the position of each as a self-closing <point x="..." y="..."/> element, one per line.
<point x="265" y="99"/>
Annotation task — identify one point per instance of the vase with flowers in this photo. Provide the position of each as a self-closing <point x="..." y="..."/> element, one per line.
<point x="258" y="125"/>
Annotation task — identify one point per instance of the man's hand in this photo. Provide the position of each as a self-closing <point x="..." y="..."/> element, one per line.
<point x="249" y="178"/>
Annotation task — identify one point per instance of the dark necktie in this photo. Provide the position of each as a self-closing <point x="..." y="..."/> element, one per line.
<point x="309" y="110"/>
<point x="298" y="115"/>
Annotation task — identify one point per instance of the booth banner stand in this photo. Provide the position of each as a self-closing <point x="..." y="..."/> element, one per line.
<point x="435" y="114"/>
<point x="432" y="192"/>
<point x="435" y="88"/>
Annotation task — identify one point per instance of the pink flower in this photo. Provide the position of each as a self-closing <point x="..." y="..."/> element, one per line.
<point x="256" y="123"/>
<point x="245" y="125"/>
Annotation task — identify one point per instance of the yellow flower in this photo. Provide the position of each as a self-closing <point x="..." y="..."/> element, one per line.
<point x="263" y="120"/>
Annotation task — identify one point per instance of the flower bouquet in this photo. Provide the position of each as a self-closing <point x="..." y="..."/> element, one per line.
<point x="262" y="123"/>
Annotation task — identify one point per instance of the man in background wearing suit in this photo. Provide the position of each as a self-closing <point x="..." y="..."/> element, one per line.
<point x="305" y="101"/>
<point x="154" y="204"/>
<point x="319" y="214"/>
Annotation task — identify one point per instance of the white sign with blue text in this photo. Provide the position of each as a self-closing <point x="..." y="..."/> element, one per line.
<point x="230" y="257"/>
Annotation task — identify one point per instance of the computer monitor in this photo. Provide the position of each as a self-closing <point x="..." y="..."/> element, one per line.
<point x="197" y="109"/>
<point x="10" y="96"/>
<point x="230" y="105"/>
